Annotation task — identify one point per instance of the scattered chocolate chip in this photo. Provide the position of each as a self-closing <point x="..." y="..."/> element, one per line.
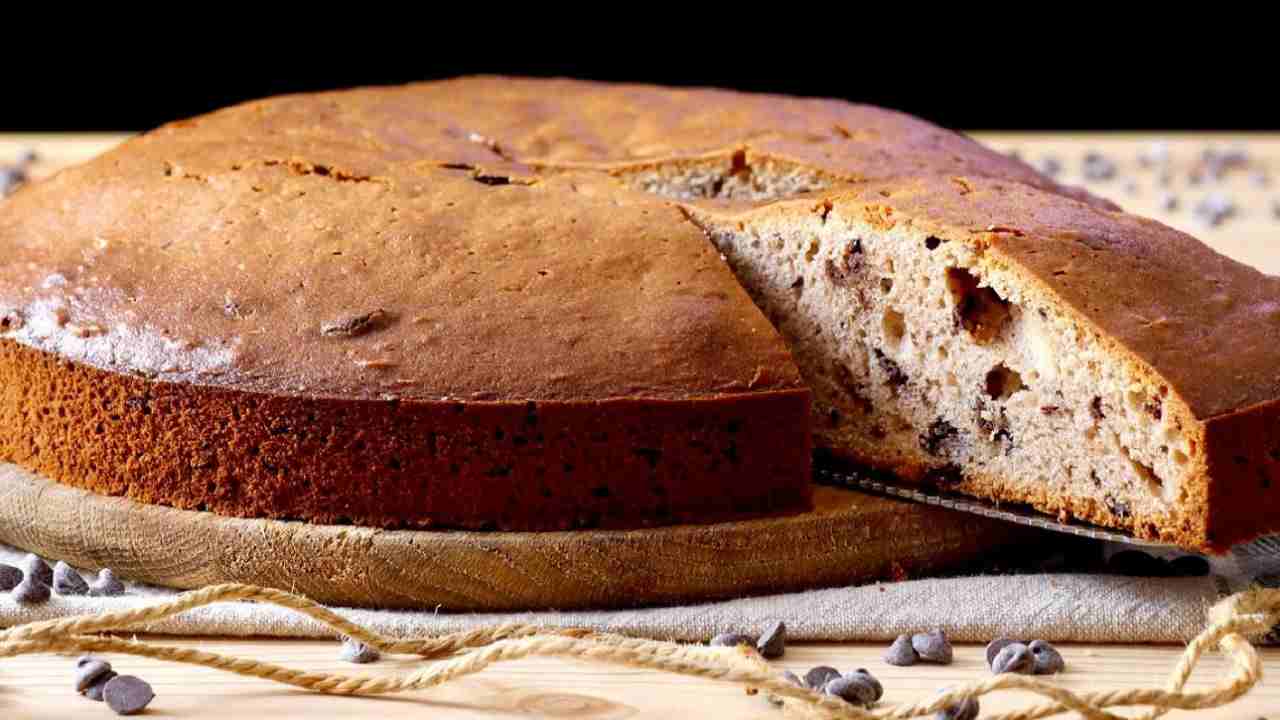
<point x="28" y="157"/>
<point x="938" y="438"/>
<point x="818" y="677"/>
<point x="966" y="709"/>
<point x="1119" y="508"/>
<point x="1259" y="178"/>
<point x="901" y="652"/>
<point x="792" y="678"/>
<point x="1098" y="167"/>
<point x="1130" y="187"/>
<point x="127" y="695"/>
<point x="1164" y="179"/>
<point x="1013" y="658"/>
<point x="10" y="179"/>
<point x="1214" y="208"/>
<point x="1189" y="566"/>
<point x="66" y="581"/>
<point x="1047" y="659"/>
<point x="871" y="679"/>
<point x="31" y="592"/>
<point x="732" y="639"/>
<point x="35" y="565"/>
<point x="1154" y="154"/>
<point x="88" y="670"/>
<point x="10" y="576"/>
<point x="932" y="647"/>
<point x="106" y="585"/>
<point x="354" y="651"/>
<point x="893" y="372"/>
<point x="1049" y="165"/>
<point x="854" y="688"/>
<point x="1168" y="202"/>
<point x="1275" y="209"/>
<point x="773" y="642"/>
<point x="94" y="691"/>
<point x="995" y="646"/>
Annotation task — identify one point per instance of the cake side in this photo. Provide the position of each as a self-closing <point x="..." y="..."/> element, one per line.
<point x="515" y="465"/>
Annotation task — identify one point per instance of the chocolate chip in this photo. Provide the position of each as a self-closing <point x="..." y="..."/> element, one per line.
<point x="66" y="581"/>
<point x="1098" y="167"/>
<point x="932" y="647"/>
<point x="939" y="437"/>
<point x="1095" y="408"/>
<point x="1013" y="658"/>
<point x="792" y="678"/>
<point x="31" y="592"/>
<point x="127" y="695"/>
<point x="1049" y="165"/>
<point x="28" y="156"/>
<point x="875" y="684"/>
<point x="10" y="179"/>
<point x="818" y="677"/>
<point x="966" y="709"/>
<point x="10" y="576"/>
<point x="1189" y="566"/>
<point x="1214" y="208"/>
<point x="1168" y="202"/>
<point x="1047" y="659"/>
<point x="732" y="639"/>
<point x="1130" y="187"/>
<point x="901" y="652"/>
<point x="94" y="691"/>
<point x="893" y="372"/>
<point x="1154" y="154"/>
<point x="773" y="642"/>
<point x="995" y="646"/>
<point x="35" y="565"/>
<point x="1259" y="178"/>
<point x="88" y="671"/>
<point x="852" y="688"/>
<point x="354" y="651"/>
<point x="106" y="585"/>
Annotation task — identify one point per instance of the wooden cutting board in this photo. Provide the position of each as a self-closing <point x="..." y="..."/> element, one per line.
<point x="848" y="537"/>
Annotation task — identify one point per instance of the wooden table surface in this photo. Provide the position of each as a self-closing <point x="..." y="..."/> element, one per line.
<point x="41" y="686"/>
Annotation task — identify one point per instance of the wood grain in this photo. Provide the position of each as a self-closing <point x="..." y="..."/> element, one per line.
<point x="41" y="686"/>
<point x="849" y="537"/>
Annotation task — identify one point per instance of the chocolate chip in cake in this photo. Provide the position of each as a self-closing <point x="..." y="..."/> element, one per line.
<point x="934" y="647"/>
<point x="732" y="639"/>
<point x="995" y="646"/>
<point x="66" y="581"/>
<point x="1013" y="658"/>
<point x="818" y="677"/>
<point x="773" y="642"/>
<point x="31" y="591"/>
<point x="841" y="272"/>
<point x="1098" y="167"/>
<point x="106" y="585"/>
<point x="901" y="652"/>
<point x="1095" y="408"/>
<point x="894" y="376"/>
<point x="1047" y="659"/>
<point x="354" y="651"/>
<point x="94" y="691"/>
<point x="34" y="565"/>
<point x="127" y="695"/>
<point x="966" y="709"/>
<point x="939" y="437"/>
<point x="89" y="670"/>
<point x="10" y="576"/>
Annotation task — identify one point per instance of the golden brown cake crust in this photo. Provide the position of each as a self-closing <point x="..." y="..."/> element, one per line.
<point x="474" y="241"/>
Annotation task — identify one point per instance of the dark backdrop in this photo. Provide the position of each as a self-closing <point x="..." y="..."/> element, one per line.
<point x="1083" y="82"/>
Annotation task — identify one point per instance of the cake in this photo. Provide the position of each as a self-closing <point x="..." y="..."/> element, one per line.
<point x="533" y="304"/>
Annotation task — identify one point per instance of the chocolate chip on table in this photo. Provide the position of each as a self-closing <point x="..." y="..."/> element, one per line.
<point x="818" y="677"/>
<point x="1214" y="208"/>
<point x="1259" y="178"/>
<point x="1049" y="165"/>
<point x="792" y="678"/>
<point x="10" y="576"/>
<point x="966" y="709"/>
<point x="66" y="581"/>
<point x="10" y="179"/>
<point x="871" y="679"/>
<point x="127" y="695"/>
<point x="995" y="646"/>
<point x="106" y="585"/>
<point x="1098" y="167"/>
<point x="1013" y="658"/>
<point x="28" y="157"/>
<point x="88" y="670"/>
<point x="855" y="688"/>
<point x="773" y="641"/>
<point x="35" y="565"/>
<point x="901" y="652"/>
<point x="94" y="691"/>
<point x="1168" y="202"/>
<point x="932" y="647"/>
<point x="1154" y="154"/>
<point x="1130" y="187"/>
<point x="732" y="639"/>
<point x="31" y="591"/>
<point x="354" y="651"/>
<point x="1047" y="659"/>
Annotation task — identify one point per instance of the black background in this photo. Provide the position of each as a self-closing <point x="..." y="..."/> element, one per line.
<point x="991" y="80"/>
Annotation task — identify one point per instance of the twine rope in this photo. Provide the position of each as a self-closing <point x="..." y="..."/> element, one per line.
<point x="464" y="653"/>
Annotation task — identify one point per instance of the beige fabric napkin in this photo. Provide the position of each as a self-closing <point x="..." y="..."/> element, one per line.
<point x="1065" y="607"/>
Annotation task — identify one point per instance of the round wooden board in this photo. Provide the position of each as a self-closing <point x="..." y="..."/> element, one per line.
<point x="849" y="537"/>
